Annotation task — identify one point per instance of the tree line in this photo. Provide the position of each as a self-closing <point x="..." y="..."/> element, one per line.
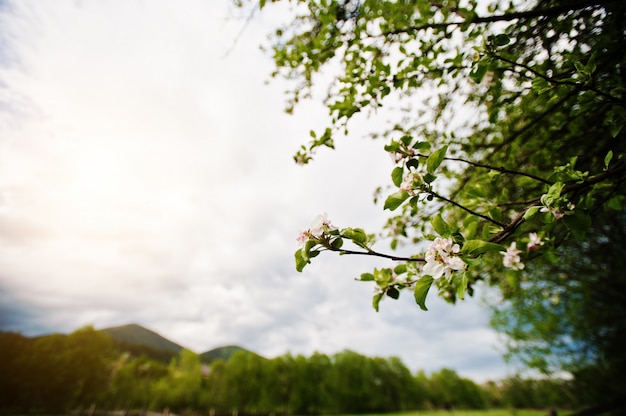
<point x="59" y="373"/>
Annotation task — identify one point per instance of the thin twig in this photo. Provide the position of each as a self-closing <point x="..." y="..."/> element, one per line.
<point x="456" y="204"/>
<point x="377" y="254"/>
<point x="240" y="34"/>
<point x="501" y="170"/>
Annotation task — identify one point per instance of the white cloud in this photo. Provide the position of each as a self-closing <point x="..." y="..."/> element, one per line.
<point x="146" y="177"/>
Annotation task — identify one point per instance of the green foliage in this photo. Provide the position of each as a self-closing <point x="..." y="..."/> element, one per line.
<point x="514" y="189"/>
<point x="79" y="370"/>
<point x="422" y="286"/>
<point x="54" y="373"/>
<point x="522" y="164"/>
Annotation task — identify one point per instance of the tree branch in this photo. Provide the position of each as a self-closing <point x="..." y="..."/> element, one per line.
<point x="552" y="80"/>
<point x="507" y="17"/>
<point x="377" y="254"/>
<point x="456" y="204"/>
<point x="501" y="169"/>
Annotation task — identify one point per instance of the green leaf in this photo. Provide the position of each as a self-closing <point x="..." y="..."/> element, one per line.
<point x="301" y="262"/>
<point x="540" y="85"/>
<point x="435" y="159"/>
<point x="397" y="174"/>
<point x="477" y="192"/>
<point x="501" y="40"/>
<point x="429" y="178"/>
<point x="392" y="147"/>
<point x="305" y="251"/>
<point x="616" y="203"/>
<point x="578" y="223"/>
<point x="478" y="247"/>
<point x="337" y="243"/>
<point x="462" y="286"/>
<point x="376" y="300"/>
<point x="440" y="226"/>
<point x="406" y="139"/>
<point x="616" y="129"/>
<point x="421" y="146"/>
<point x="421" y="290"/>
<point x="367" y="277"/>
<point x="495" y="213"/>
<point x="471" y="230"/>
<point x="413" y="163"/>
<point x="530" y="212"/>
<point x="400" y="269"/>
<point x="393" y="293"/>
<point x="357" y="235"/>
<point x="478" y="73"/>
<point x="261" y="4"/>
<point x="396" y="199"/>
<point x="556" y="189"/>
<point x="607" y="159"/>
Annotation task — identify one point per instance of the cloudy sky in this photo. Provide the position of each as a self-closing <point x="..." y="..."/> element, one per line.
<point x="146" y="176"/>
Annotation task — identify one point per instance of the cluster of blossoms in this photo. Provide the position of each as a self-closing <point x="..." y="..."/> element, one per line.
<point x="411" y="181"/>
<point x="397" y="157"/>
<point x="302" y="158"/>
<point x="558" y="212"/>
<point x="512" y="258"/>
<point x="441" y="258"/>
<point x="401" y="154"/>
<point x="320" y="225"/>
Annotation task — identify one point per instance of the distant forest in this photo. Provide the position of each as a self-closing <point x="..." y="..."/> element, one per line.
<point x="90" y="369"/>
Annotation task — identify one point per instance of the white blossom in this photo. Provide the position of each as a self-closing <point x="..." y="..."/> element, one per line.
<point x="559" y="213"/>
<point x="441" y="258"/>
<point x="409" y="180"/>
<point x="320" y="225"/>
<point x="512" y="259"/>
<point x="534" y="242"/>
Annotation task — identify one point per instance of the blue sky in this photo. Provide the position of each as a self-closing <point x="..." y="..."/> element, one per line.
<point x="146" y="176"/>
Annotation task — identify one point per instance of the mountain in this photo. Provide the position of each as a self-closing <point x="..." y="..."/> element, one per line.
<point x="138" y="340"/>
<point x="222" y="353"/>
<point x="138" y="335"/>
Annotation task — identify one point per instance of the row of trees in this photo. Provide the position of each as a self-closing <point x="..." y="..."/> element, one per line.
<point x="54" y="374"/>
<point x="505" y="123"/>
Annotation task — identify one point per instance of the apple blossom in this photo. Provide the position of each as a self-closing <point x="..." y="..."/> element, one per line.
<point x="559" y="213"/>
<point x="441" y="258"/>
<point x="302" y="237"/>
<point x="409" y="182"/>
<point x="511" y="258"/>
<point x="534" y="241"/>
<point x="320" y="224"/>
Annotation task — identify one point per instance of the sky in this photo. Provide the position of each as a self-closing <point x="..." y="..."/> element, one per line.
<point x="146" y="176"/>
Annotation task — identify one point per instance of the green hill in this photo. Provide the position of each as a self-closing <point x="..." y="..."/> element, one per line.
<point x="138" y="341"/>
<point x="222" y="353"/>
<point x="138" y="335"/>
